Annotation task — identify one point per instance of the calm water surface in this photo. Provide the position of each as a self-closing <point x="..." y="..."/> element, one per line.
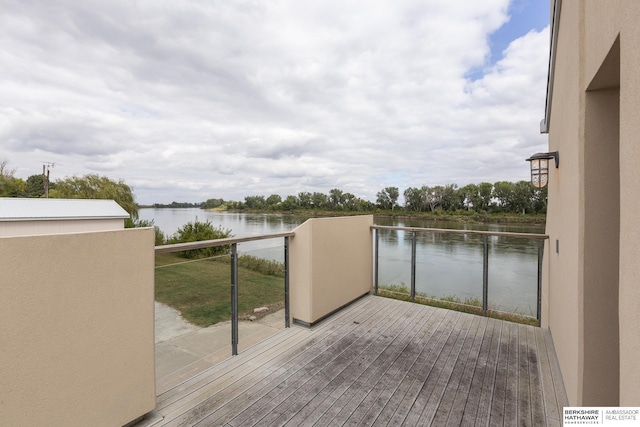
<point x="447" y="265"/>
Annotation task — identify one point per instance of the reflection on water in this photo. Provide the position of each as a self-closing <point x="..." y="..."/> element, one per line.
<point x="451" y="265"/>
<point x="446" y="264"/>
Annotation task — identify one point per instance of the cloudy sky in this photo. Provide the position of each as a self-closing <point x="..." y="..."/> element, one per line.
<point x="191" y="100"/>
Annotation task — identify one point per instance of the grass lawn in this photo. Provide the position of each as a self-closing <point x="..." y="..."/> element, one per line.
<point x="201" y="290"/>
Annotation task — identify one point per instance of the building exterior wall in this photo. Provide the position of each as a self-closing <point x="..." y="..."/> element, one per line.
<point x="592" y="290"/>
<point x="331" y="265"/>
<point x="77" y="328"/>
<point x="40" y="227"/>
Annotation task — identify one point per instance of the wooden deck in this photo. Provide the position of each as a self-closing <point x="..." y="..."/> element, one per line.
<point x="380" y="362"/>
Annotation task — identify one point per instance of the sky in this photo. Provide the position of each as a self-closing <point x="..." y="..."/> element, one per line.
<point x="191" y="100"/>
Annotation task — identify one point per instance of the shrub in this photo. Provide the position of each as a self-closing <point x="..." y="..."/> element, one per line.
<point x="198" y="231"/>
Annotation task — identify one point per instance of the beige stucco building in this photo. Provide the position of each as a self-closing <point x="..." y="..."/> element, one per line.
<point x="76" y="325"/>
<point x="591" y="294"/>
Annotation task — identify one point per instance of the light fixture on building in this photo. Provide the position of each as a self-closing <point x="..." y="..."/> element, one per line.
<point x="540" y="167"/>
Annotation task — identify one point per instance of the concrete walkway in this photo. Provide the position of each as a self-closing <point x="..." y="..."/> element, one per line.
<point x="184" y="350"/>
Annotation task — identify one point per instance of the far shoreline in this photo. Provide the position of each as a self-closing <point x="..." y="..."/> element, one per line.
<point x="457" y="216"/>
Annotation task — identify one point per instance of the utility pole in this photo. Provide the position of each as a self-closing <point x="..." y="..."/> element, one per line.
<point x="45" y="182"/>
<point x="45" y="177"/>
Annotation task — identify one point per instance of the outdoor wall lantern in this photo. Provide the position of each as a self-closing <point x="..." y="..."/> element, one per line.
<point x="540" y="167"/>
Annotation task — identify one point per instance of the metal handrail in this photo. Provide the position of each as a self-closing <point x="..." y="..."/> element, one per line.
<point x="457" y="231"/>
<point x="179" y="247"/>
<point x="485" y="257"/>
<point x="233" y="241"/>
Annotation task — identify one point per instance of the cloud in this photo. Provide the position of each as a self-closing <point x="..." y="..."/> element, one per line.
<point x="202" y="99"/>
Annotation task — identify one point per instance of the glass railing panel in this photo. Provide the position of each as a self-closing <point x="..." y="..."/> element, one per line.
<point x="261" y="304"/>
<point x="449" y="270"/>
<point x="513" y="278"/>
<point x="394" y="263"/>
<point x="193" y="312"/>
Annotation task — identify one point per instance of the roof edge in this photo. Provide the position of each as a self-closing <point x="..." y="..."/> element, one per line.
<point x="544" y="124"/>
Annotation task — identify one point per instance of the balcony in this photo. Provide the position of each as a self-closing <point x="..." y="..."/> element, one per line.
<point x="81" y="345"/>
<point x="380" y="362"/>
<point x="377" y="361"/>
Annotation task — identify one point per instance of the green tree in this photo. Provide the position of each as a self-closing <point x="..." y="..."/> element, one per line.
<point x="198" y="231"/>
<point x="290" y="203"/>
<point x="255" y="202"/>
<point x="320" y="200"/>
<point x="414" y="199"/>
<point x="335" y="198"/>
<point x="503" y="193"/>
<point x="10" y="186"/>
<point x="522" y="198"/>
<point x="35" y="186"/>
<point x="93" y="186"/>
<point x="349" y="202"/>
<point x="485" y="194"/>
<point x="273" y="200"/>
<point x="449" y="198"/>
<point x="305" y="199"/>
<point x="433" y="196"/>
<point x="212" y="204"/>
<point x="387" y="198"/>
<point x="470" y="197"/>
<point x="539" y="201"/>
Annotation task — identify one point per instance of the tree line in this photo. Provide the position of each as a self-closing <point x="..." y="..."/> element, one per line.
<point x="499" y="197"/>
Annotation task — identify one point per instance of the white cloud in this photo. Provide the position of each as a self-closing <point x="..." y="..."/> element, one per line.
<point x="194" y="100"/>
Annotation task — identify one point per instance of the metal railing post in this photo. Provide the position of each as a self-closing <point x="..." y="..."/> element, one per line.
<point x="413" y="266"/>
<point x="375" y="271"/>
<point x="485" y="275"/>
<point x="286" y="282"/>
<point x="540" y="255"/>
<point x="234" y="299"/>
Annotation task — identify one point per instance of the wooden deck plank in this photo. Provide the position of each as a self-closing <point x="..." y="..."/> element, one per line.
<point x="523" y="389"/>
<point x="276" y="384"/>
<point x="481" y="416"/>
<point x="222" y="369"/>
<point x="309" y="417"/>
<point x="558" y="384"/>
<point x="413" y="382"/>
<point x="377" y="375"/>
<point x="537" y="406"/>
<point x="375" y="402"/>
<point x="496" y="411"/>
<point x="476" y="361"/>
<point x="511" y="392"/>
<point x="325" y="336"/>
<point x="271" y="384"/>
<point x="548" y="392"/>
<point x="381" y="362"/>
<point x="354" y="379"/>
<point x="463" y="362"/>
<point x="480" y="380"/>
<point x="445" y="377"/>
<point x="375" y="340"/>
<point x="399" y="398"/>
<point x="429" y="383"/>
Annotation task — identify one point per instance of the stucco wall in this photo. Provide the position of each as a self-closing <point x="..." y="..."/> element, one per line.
<point x="331" y="265"/>
<point x="76" y="328"/>
<point x="594" y="124"/>
<point x="560" y="286"/>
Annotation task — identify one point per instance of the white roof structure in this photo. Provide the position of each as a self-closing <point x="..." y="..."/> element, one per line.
<point x="18" y="209"/>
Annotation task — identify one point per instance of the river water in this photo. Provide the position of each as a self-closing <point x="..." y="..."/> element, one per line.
<point x="447" y="264"/>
